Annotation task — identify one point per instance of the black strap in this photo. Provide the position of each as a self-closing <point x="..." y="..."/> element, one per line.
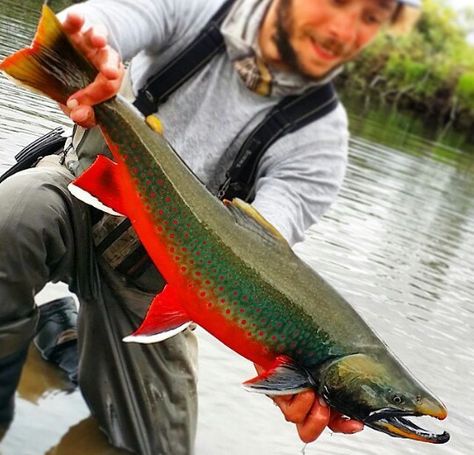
<point x="51" y="142"/>
<point x="207" y="44"/>
<point x="291" y="114"/>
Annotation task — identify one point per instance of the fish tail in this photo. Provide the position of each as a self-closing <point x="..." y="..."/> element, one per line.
<point x="51" y="65"/>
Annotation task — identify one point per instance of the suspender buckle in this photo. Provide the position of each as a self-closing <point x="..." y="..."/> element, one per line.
<point x="149" y="96"/>
<point x="224" y="187"/>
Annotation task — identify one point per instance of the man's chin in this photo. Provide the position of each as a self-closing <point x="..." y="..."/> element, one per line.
<point x="319" y="72"/>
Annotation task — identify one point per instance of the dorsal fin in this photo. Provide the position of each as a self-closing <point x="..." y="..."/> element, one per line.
<point x="250" y="218"/>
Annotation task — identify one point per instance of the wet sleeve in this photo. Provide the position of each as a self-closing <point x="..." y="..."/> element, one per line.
<point x="300" y="175"/>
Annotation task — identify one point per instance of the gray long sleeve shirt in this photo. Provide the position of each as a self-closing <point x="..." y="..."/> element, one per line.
<point x="209" y="116"/>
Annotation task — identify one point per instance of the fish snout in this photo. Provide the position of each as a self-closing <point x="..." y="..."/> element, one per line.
<point x="431" y="407"/>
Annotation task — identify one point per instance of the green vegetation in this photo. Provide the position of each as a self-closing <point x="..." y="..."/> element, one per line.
<point x="430" y="71"/>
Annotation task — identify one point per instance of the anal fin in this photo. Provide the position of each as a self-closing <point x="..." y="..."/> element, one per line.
<point x="164" y="319"/>
<point x="282" y="378"/>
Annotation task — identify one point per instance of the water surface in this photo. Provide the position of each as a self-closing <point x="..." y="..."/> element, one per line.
<point x="398" y="244"/>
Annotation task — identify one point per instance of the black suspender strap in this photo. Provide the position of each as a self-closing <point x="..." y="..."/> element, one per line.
<point x="291" y="114"/>
<point x="51" y="142"/>
<point x="208" y="43"/>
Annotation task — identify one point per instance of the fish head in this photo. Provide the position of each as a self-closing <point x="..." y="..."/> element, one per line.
<point x="381" y="394"/>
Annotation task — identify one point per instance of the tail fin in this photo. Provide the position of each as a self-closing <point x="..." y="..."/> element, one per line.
<point x="51" y="65"/>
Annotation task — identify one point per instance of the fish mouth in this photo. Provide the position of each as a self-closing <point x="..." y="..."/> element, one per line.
<point x="395" y="423"/>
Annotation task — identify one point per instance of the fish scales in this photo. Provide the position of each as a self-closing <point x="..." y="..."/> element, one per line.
<point x="223" y="283"/>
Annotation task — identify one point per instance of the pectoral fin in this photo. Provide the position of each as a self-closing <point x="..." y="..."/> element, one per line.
<point x="99" y="186"/>
<point x="282" y="378"/>
<point x="165" y="318"/>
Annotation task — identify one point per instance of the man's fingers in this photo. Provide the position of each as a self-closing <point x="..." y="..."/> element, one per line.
<point x="83" y="116"/>
<point x="73" y="23"/>
<point x="315" y="422"/>
<point x="96" y="36"/>
<point x="80" y="103"/>
<point x="341" y="424"/>
<point x="97" y="92"/>
<point x="92" y="41"/>
<point x="109" y="63"/>
<point x="296" y="408"/>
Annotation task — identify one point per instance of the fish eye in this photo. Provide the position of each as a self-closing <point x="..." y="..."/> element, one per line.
<point x="397" y="399"/>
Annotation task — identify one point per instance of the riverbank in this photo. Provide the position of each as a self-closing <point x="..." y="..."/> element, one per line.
<point x="429" y="73"/>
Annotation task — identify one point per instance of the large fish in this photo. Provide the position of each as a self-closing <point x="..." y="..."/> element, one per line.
<point x="226" y="268"/>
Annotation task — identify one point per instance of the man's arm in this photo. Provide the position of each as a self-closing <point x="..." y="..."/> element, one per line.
<point x="111" y="31"/>
<point x="106" y="42"/>
<point x="299" y="177"/>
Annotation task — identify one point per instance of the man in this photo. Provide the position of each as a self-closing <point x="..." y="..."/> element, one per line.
<point x="144" y="396"/>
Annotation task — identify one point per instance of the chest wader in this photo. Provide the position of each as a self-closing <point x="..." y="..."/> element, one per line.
<point x="11" y="365"/>
<point x="144" y="396"/>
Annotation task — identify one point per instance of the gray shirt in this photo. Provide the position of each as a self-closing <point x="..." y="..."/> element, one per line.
<point x="208" y="117"/>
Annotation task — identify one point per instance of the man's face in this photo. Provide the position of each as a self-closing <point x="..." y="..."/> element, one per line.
<point x="315" y="36"/>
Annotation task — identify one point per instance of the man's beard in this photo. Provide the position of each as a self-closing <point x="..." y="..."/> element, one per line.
<point x="281" y="38"/>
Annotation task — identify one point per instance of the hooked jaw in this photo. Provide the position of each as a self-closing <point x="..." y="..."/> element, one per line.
<point x="394" y="423"/>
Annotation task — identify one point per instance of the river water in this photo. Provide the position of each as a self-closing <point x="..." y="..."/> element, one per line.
<point x="398" y="244"/>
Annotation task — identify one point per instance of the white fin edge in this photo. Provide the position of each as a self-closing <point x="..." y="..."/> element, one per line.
<point x="275" y="393"/>
<point x="87" y="198"/>
<point x="148" y="339"/>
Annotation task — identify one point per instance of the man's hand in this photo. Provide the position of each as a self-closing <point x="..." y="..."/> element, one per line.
<point x="312" y="415"/>
<point x="92" y="41"/>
